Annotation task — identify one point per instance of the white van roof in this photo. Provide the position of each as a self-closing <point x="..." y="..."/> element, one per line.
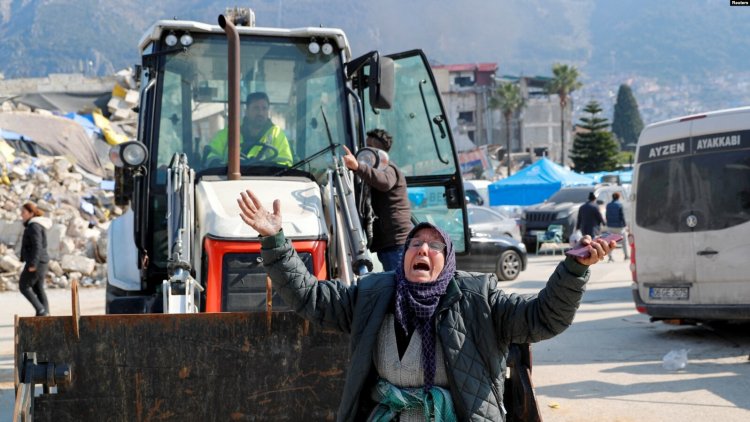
<point x="678" y="131"/>
<point x="737" y="110"/>
<point x="476" y="184"/>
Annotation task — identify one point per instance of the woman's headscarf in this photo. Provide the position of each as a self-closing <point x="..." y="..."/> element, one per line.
<point x="416" y="302"/>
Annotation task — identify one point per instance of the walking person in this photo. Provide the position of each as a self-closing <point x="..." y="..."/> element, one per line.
<point x="34" y="255"/>
<point x="616" y="223"/>
<point x="428" y="342"/>
<point x="589" y="219"/>
<point x="389" y="199"/>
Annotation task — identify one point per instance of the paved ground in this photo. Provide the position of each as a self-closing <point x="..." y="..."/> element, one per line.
<point x="606" y="367"/>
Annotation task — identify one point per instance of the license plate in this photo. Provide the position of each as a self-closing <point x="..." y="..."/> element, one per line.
<point x="535" y="232"/>
<point x="669" y="293"/>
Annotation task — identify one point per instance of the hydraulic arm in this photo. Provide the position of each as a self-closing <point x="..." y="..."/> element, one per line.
<point x="181" y="291"/>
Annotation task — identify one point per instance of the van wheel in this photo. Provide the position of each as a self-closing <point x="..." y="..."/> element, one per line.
<point x="508" y="266"/>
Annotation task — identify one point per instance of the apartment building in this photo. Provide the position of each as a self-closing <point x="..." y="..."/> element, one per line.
<point x="466" y="90"/>
<point x="539" y="121"/>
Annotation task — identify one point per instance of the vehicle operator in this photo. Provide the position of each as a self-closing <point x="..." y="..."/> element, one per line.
<point x="260" y="138"/>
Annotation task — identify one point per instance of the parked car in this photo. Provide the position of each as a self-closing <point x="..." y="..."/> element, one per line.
<point x="502" y="255"/>
<point x="487" y="221"/>
<point x="473" y="197"/>
<point x="476" y="191"/>
<point x="562" y="208"/>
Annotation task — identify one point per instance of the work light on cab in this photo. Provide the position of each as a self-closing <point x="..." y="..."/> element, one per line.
<point x="128" y="154"/>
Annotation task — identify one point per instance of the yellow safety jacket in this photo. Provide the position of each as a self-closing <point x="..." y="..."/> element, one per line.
<point x="273" y="137"/>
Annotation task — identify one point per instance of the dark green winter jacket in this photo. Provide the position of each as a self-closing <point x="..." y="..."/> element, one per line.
<point x="476" y="322"/>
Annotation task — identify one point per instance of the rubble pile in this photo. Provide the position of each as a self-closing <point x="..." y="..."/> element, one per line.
<point x="124" y="99"/>
<point x="80" y="212"/>
<point x="80" y="209"/>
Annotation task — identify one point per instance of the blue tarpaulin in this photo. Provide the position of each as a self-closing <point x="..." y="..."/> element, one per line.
<point x="54" y="135"/>
<point x="534" y="184"/>
<point x="20" y="142"/>
<point x="9" y="135"/>
<point x="86" y="121"/>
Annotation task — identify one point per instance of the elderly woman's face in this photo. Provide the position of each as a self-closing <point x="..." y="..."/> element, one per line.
<point x="424" y="258"/>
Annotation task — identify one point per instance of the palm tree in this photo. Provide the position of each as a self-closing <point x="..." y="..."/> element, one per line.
<point x="563" y="83"/>
<point x="508" y="100"/>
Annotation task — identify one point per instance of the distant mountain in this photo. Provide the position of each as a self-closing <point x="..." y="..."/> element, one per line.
<point x="677" y="42"/>
<point x="99" y="37"/>
<point x="670" y="39"/>
<point x="663" y="39"/>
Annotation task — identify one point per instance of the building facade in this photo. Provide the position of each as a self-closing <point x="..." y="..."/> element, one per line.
<point x="540" y="119"/>
<point x="466" y="90"/>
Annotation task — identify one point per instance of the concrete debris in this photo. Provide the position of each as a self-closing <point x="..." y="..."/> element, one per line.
<point x="9" y="263"/>
<point x="75" y="199"/>
<point x="77" y="264"/>
<point x="126" y="78"/>
<point x="121" y="105"/>
<point x="22" y="107"/>
<point x="125" y="98"/>
<point x="79" y="209"/>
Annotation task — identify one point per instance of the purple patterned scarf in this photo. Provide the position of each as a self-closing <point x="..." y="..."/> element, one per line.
<point x="416" y="302"/>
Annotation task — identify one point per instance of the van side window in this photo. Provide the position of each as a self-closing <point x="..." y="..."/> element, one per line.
<point x="715" y="188"/>
<point x="722" y="186"/>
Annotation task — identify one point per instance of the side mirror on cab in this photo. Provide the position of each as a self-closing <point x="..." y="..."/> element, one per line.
<point x="379" y="80"/>
<point x="381" y="83"/>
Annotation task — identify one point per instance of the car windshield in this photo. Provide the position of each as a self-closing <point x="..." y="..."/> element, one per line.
<point x="482" y="216"/>
<point x="301" y="89"/>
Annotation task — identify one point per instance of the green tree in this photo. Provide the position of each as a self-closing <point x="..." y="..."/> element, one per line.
<point x="626" y="122"/>
<point x="508" y="99"/>
<point x="564" y="81"/>
<point x="594" y="147"/>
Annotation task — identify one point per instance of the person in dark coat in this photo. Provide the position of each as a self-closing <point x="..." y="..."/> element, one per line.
<point x="428" y="342"/>
<point x="616" y="223"/>
<point x="34" y="255"/>
<point x="389" y="199"/>
<point x="589" y="218"/>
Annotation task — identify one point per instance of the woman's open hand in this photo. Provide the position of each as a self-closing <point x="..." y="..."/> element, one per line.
<point x="257" y="217"/>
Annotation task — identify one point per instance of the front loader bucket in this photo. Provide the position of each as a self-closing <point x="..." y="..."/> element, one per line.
<point x="186" y="367"/>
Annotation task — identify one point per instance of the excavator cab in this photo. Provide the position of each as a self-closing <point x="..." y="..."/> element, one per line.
<point x="317" y="99"/>
<point x="213" y="341"/>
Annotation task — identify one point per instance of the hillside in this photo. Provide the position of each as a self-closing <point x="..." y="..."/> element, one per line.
<point x="679" y="57"/>
<point x="660" y="39"/>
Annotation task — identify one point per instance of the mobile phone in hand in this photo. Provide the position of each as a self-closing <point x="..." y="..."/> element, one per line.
<point x="583" y="251"/>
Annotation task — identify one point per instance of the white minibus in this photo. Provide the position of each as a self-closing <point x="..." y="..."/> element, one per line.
<point x="690" y="219"/>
